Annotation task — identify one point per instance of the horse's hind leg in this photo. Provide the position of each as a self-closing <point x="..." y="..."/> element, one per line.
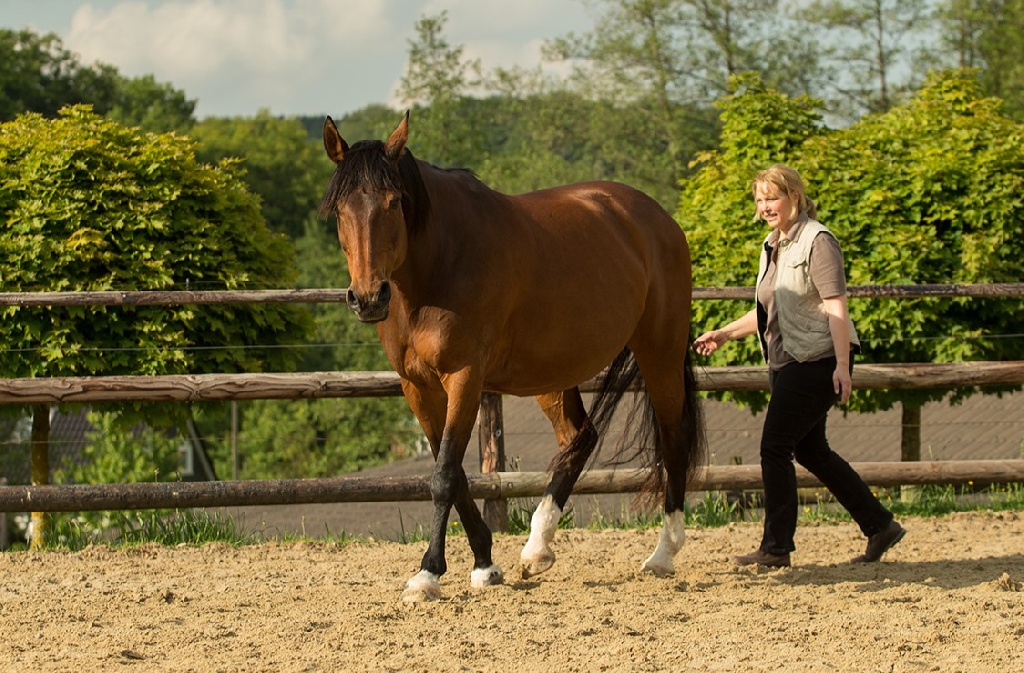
<point x="576" y="441"/>
<point x="680" y="441"/>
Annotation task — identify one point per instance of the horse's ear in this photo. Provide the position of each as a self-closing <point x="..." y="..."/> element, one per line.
<point x="333" y="142"/>
<point x="395" y="145"/>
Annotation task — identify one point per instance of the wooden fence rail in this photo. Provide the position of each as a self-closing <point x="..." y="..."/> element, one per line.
<point x="220" y="387"/>
<point x="338" y="295"/>
<point x="488" y="486"/>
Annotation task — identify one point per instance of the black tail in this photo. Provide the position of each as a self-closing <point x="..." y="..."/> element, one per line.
<point x="615" y="381"/>
<point x="641" y="439"/>
<point x="695" y="439"/>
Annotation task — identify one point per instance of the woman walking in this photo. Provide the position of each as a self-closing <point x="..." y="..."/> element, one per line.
<point x="807" y="337"/>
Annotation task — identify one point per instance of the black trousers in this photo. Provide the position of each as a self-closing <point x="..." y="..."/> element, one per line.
<point x="794" y="427"/>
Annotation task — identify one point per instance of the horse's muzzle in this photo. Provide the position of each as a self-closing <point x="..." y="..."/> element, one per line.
<point x="371" y="309"/>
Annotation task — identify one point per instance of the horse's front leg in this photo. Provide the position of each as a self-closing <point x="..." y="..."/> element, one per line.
<point x="449" y="487"/>
<point x="447" y="480"/>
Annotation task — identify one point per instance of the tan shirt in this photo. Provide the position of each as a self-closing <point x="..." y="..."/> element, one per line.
<point x="827" y="274"/>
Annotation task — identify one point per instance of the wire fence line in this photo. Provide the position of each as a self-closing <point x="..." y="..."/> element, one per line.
<point x="376" y="344"/>
<point x="133" y="298"/>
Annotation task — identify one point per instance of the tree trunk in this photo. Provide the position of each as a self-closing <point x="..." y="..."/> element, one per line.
<point x="910" y="444"/>
<point x="39" y="528"/>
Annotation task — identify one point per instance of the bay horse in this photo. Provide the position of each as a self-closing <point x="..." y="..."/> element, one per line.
<point x="473" y="290"/>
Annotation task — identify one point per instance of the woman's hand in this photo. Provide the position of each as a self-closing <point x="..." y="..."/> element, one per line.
<point x="842" y="383"/>
<point x="708" y="343"/>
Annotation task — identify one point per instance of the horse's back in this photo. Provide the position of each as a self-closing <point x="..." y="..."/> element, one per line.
<point x="585" y="264"/>
<point x="616" y="227"/>
<point x="598" y="201"/>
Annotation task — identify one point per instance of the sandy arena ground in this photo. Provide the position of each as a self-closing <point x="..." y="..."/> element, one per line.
<point x="948" y="598"/>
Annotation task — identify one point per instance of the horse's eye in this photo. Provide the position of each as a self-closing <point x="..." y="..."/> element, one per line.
<point x="394" y="202"/>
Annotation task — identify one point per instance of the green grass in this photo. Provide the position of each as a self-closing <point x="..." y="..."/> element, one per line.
<point x="520" y="511"/>
<point x="926" y="501"/>
<point x="127" y="529"/>
<point x="626" y="520"/>
<point x="715" y="509"/>
<point x="711" y="511"/>
<point x="181" y="527"/>
<point x="420" y="534"/>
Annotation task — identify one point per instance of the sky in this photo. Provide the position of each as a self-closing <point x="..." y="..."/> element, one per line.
<point x="291" y="57"/>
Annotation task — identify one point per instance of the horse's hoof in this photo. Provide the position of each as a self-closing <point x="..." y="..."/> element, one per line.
<point x="537" y="564"/>
<point x="421" y="588"/>
<point x="658" y="568"/>
<point x="486" y="577"/>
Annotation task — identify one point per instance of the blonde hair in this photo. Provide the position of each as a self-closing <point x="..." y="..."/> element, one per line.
<point x="787" y="181"/>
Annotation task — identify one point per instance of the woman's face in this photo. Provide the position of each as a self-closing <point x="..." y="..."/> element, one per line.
<point x="773" y="206"/>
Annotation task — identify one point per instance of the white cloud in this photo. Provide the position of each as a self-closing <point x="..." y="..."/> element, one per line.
<point x="300" y="56"/>
<point x="232" y="54"/>
<point x="502" y="33"/>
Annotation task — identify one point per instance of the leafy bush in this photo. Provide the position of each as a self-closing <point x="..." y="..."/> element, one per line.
<point x="929" y="192"/>
<point x="86" y="205"/>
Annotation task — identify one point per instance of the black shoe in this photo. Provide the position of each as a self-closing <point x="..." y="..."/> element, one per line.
<point x="880" y="542"/>
<point x="763" y="558"/>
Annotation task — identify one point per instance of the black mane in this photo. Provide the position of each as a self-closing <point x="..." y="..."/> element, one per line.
<point x="366" y="164"/>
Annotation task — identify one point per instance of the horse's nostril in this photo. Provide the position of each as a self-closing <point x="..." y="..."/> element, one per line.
<point x="384" y="293"/>
<point x="352" y="300"/>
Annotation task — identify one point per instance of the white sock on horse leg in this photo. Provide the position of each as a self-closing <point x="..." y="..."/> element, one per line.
<point x="537" y="555"/>
<point x="673" y="533"/>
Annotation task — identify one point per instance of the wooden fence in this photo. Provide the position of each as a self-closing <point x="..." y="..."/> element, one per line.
<point x="490" y="486"/>
<point x="494" y="485"/>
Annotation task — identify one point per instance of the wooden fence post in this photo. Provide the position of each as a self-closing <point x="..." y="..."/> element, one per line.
<point x="5" y="535"/>
<point x="492" y="456"/>
<point x="39" y="459"/>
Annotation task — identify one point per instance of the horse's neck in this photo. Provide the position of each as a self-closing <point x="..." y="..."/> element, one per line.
<point x="450" y="234"/>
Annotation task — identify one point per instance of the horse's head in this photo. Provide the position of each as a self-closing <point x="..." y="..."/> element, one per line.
<point x="366" y="194"/>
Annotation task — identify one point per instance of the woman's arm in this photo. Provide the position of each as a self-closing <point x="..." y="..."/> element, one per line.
<point x="708" y="343"/>
<point x="839" y="328"/>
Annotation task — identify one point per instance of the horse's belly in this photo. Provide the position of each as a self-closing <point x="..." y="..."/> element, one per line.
<point x="543" y="363"/>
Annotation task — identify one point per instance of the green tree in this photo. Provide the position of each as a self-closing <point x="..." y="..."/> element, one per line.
<point x="115" y="453"/>
<point x="284" y="163"/>
<point x="537" y="133"/>
<point x="373" y="121"/>
<point x="281" y="164"/>
<point x="929" y="192"/>
<point x="150" y="105"/>
<point x="654" y="66"/>
<point x="986" y="34"/>
<point x="87" y="204"/>
<point x="635" y="55"/>
<point x="729" y="37"/>
<point x="872" y="40"/>
<point x="436" y="82"/>
<point x="37" y="74"/>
